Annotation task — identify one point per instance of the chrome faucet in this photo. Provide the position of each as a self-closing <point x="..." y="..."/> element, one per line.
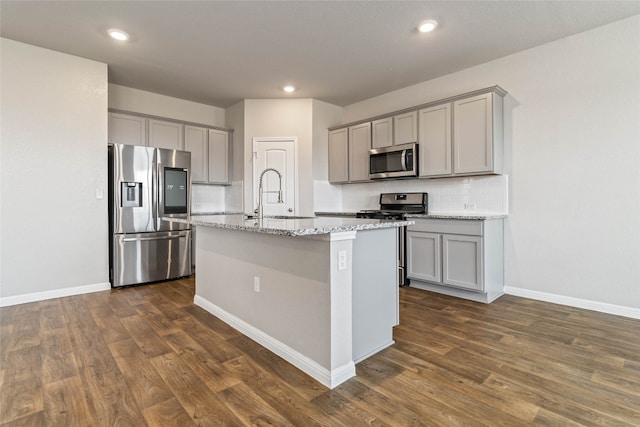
<point x="259" y="209"/>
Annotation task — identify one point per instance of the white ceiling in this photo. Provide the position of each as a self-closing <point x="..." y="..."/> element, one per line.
<point x="341" y="52"/>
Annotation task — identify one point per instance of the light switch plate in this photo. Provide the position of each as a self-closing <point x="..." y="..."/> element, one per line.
<point x="99" y="193"/>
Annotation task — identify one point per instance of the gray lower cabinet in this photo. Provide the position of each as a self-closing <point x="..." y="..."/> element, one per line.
<point x="424" y="256"/>
<point x="462" y="258"/>
<point x="462" y="261"/>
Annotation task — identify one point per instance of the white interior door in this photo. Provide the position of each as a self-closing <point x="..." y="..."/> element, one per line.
<point x="280" y="154"/>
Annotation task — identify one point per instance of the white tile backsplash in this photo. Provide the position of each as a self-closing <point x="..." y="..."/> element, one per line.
<point x="488" y="194"/>
<point x="234" y="197"/>
<point x="207" y="198"/>
<point x="327" y="197"/>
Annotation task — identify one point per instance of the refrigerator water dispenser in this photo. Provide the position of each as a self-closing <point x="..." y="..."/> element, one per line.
<point x="131" y="194"/>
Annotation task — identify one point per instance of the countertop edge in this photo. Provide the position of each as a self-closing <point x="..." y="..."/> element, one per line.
<point x="290" y="227"/>
<point x="468" y="217"/>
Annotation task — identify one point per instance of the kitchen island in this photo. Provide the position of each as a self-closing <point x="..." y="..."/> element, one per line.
<point x="322" y="293"/>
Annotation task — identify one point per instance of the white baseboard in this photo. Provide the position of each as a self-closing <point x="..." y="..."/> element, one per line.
<point x="602" y="307"/>
<point x="57" y="293"/>
<point x="329" y="378"/>
<point x="374" y="351"/>
<point x="483" y="297"/>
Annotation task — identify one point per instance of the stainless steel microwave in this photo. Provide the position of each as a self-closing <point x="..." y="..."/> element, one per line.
<point x="394" y="162"/>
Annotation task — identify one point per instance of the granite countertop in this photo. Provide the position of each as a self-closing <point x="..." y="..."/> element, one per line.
<point x="453" y="215"/>
<point x="463" y="216"/>
<point x="289" y="227"/>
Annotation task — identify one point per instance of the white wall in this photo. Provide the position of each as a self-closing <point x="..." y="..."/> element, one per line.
<point x="54" y="158"/>
<point x="281" y="118"/>
<point x="235" y="193"/>
<point x="326" y="196"/>
<point x="572" y="143"/>
<point x="140" y="101"/>
<point x="305" y="119"/>
<point x="325" y="115"/>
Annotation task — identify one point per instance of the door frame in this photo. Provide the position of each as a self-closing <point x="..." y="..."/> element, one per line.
<point x="254" y="175"/>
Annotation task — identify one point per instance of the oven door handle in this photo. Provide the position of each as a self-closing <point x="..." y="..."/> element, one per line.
<point x="403" y="160"/>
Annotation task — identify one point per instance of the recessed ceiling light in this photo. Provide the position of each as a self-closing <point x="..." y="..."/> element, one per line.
<point x="118" y="34"/>
<point x="426" y="26"/>
<point x="289" y="89"/>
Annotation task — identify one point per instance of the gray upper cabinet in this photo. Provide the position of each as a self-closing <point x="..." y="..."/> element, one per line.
<point x="339" y="155"/>
<point x="359" y="145"/>
<point x="163" y="134"/>
<point x="210" y="148"/>
<point x="382" y="133"/>
<point x="477" y="135"/>
<point x="219" y="151"/>
<point x="196" y="141"/>
<point x="396" y="130"/>
<point x="405" y="128"/>
<point x="435" y="141"/>
<point x="463" y="137"/>
<point x="209" y="154"/>
<point x="127" y="129"/>
<point x="458" y="136"/>
<point x="131" y="129"/>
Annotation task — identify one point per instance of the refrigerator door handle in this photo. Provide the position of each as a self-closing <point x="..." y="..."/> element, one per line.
<point x="155" y="190"/>
<point x="146" y="239"/>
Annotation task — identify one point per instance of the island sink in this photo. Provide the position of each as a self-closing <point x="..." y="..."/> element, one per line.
<point x="277" y="217"/>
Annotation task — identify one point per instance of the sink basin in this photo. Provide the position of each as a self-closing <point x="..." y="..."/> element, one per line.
<point x="278" y="217"/>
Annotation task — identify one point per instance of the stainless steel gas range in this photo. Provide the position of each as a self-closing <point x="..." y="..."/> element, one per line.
<point x="395" y="206"/>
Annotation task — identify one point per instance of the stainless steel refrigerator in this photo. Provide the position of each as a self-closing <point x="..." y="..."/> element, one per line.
<point x="146" y="184"/>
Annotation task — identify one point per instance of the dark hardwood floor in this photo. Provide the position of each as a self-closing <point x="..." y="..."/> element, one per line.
<point x="147" y="356"/>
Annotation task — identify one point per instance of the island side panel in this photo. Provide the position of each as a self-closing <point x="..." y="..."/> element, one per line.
<point x="297" y="284"/>
<point x="375" y="291"/>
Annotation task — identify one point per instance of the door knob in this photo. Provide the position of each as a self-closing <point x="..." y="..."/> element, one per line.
<point x="290" y="209"/>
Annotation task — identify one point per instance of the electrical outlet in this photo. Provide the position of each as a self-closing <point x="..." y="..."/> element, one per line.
<point x="342" y="260"/>
<point x="469" y="206"/>
<point x="256" y="284"/>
